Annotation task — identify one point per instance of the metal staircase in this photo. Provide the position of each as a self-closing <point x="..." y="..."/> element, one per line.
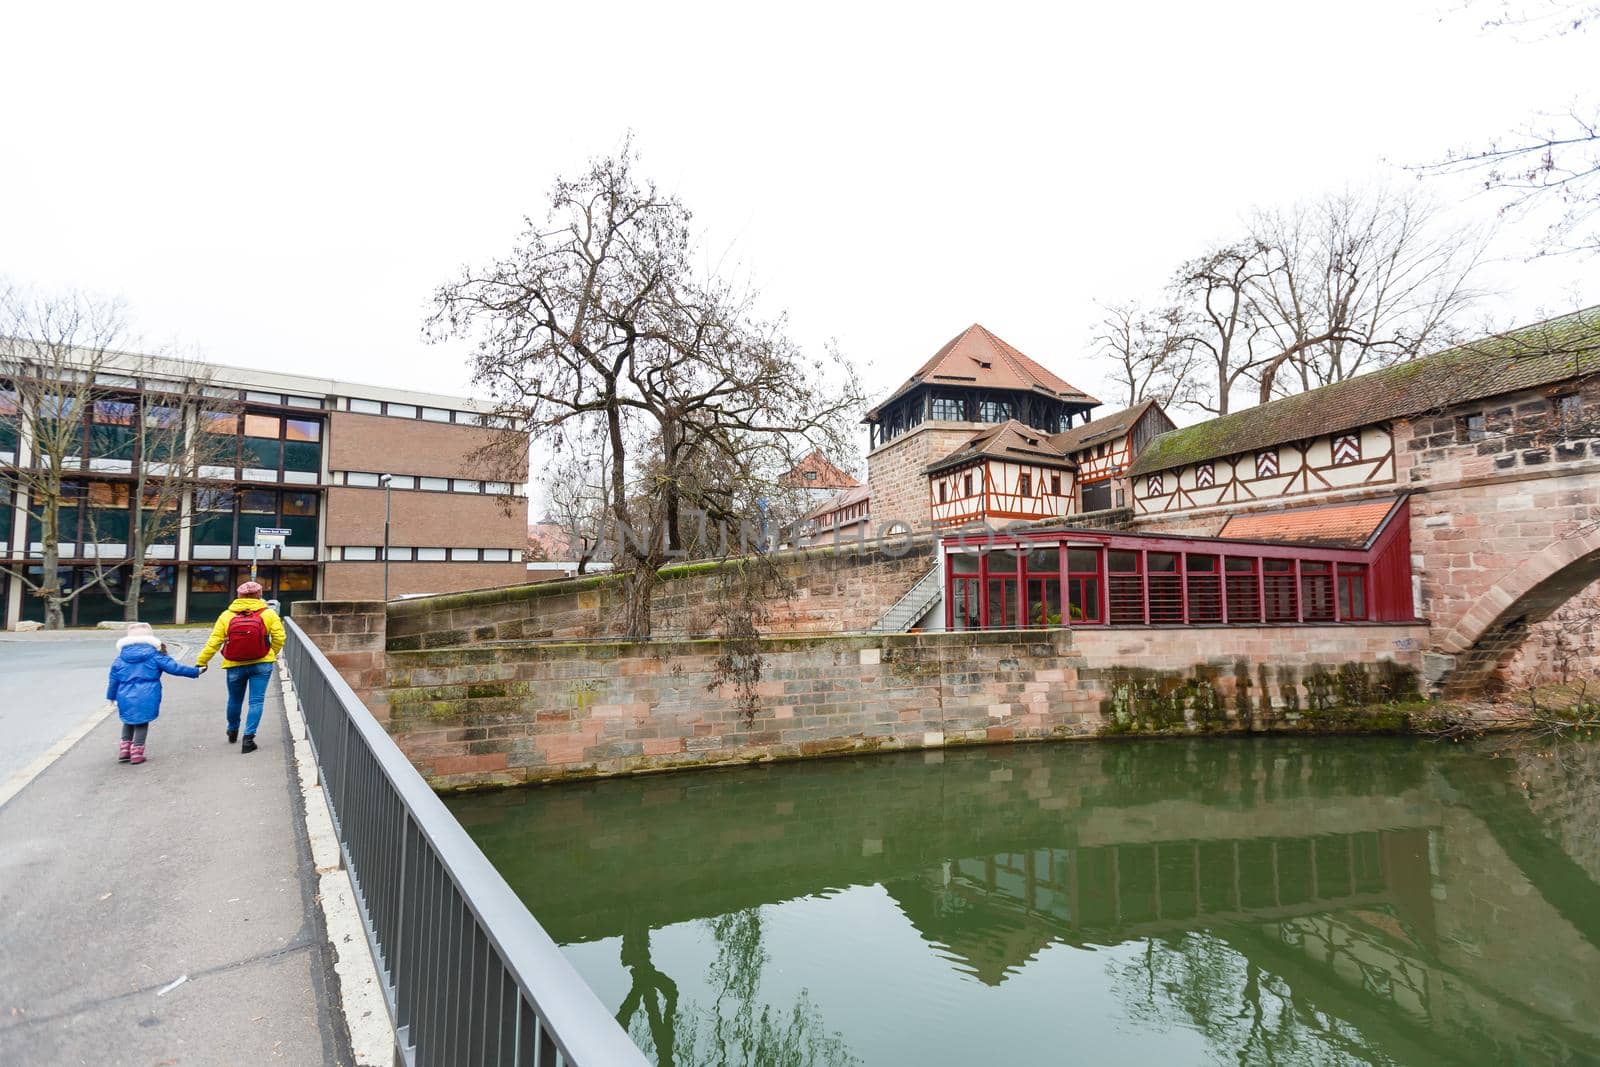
<point x="909" y="609"/>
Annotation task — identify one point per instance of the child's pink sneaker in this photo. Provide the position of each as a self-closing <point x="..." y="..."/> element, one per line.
<point x="124" y="751"/>
<point x="137" y="755"/>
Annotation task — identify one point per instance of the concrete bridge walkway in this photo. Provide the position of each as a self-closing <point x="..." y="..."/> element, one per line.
<point x="159" y="914"/>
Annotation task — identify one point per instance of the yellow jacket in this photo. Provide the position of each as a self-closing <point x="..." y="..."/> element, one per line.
<point x="219" y="633"/>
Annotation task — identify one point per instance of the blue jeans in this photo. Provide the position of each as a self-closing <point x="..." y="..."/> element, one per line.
<point x="255" y="677"/>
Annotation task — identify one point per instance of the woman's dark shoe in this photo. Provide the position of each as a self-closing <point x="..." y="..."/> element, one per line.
<point x="249" y="743"/>
<point x="233" y="735"/>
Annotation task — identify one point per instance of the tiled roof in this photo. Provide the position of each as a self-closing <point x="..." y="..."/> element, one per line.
<point x="1006" y="440"/>
<point x="1547" y="352"/>
<point x="1334" y="525"/>
<point x="977" y="359"/>
<point x="1116" y="424"/>
<point x="827" y="475"/>
<point x="840" y="501"/>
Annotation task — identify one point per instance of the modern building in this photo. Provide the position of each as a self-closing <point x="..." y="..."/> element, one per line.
<point x="308" y="456"/>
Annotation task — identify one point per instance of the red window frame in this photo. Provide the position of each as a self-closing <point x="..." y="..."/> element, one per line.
<point x="1086" y="589"/>
<point x="1353" y="603"/>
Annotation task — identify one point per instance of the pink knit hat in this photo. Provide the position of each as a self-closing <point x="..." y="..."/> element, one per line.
<point x="250" y="589"/>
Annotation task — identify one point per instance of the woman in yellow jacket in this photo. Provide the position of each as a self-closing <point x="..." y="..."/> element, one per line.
<point x="249" y="649"/>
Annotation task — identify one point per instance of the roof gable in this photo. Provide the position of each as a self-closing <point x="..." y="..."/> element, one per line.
<point x="1544" y="353"/>
<point x="1116" y="424"/>
<point x="816" y="471"/>
<point x="977" y="359"/>
<point x="1011" y="441"/>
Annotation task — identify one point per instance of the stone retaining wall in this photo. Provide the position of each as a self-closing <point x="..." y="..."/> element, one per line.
<point x="514" y="711"/>
<point x="834" y="589"/>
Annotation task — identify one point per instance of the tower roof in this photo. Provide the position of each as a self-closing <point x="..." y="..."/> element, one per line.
<point x="977" y="359"/>
<point x="817" y="471"/>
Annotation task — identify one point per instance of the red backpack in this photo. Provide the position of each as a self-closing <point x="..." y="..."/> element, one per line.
<point x="247" y="638"/>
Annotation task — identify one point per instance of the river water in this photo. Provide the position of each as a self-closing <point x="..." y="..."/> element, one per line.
<point x="1318" y="900"/>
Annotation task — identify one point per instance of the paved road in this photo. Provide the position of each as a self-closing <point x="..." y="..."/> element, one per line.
<point x="116" y="880"/>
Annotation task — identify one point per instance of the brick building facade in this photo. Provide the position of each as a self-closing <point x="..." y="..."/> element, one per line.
<point x="303" y="454"/>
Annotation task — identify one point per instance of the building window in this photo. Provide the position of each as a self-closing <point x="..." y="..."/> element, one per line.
<point x="435" y="415"/>
<point x="366" y="407"/>
<point x="467" y="485"/>
<point x="1278" y="590"/>
<point x="1100" y="449"/>
<point x="361" y="478"/>
<point x="994" y="411"/>
<point x="1346" y="448"/>
<point x="430" y="555"/>
<point x="1569" y="412"/>
<point x="1243" y="589"/>
<point x="399" y="555"/>
<point x="1316" y="591"/>
<point x="359" y="554"/>
<point x="966" y="485"/>
<point x="402" y="411"/>
<point x="949" y="409"/>
<point x="497" y="555"/>
<point x="1025" y="484"/>
<point x="440" y="485"/>
<point x="1472" y="428"/>
<point x="1352" y="591"/>
<point x="943" y="493"/>
<point x="1055" y="485"/>
<point x="1266" y="464"/>
<point x="1122" y="500"/>
<point x="1203" y="581"/>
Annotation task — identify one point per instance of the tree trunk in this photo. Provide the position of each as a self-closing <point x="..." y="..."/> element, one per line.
<point x="669" y="492"/>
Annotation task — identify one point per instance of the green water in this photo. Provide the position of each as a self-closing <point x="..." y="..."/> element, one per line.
<point x="1252" y="901"/>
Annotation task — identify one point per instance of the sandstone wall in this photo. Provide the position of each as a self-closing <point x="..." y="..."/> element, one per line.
<point x="897" y="472"/>
<point x="520" y="711"/>
<point x="832" y="590"/>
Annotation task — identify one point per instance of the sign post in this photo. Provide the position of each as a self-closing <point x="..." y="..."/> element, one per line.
<point x="272" y="538"/>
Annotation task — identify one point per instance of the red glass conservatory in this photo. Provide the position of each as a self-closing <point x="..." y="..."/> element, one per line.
<point x="1331" y="566"/>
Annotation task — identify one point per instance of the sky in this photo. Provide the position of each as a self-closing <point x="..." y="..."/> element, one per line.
<point x="285" y="186"/>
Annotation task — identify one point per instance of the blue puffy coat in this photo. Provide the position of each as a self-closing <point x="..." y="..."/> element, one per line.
<point x="136" y="678"/>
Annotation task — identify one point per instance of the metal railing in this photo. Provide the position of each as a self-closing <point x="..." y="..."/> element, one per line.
<point x="469" y="976"/>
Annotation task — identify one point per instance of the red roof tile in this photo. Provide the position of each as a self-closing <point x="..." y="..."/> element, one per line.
<point x="977" y="359"/>
<point x="1009" y="440"/>
<point x="1335" y="525"/>
<point x="825" y="474"/>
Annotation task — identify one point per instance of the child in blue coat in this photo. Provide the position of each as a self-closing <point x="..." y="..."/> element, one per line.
<point x="136" y="686"/>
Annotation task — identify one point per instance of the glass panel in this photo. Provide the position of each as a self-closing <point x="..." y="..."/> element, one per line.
<point x="262" y="426"/>
<point x="1044" y="602"/>
<point x="1277" y="582"/>
<point x="1316" y="591"/>
<point x="368" y="407"/>
<point x="259" y="502"/>
<point x="158" y="594"/>
<point x="1165" y="588"/>
<point x="1243" y="590"/>
<point x="302" y="430"/>
<point x="430" y="555"/>
<point x="1204" y="588"/>
<point x="436" y="414"/>
<point x="263" y="453"/>
<point x="402" y="411"/>
<point x="1043" y="559"/>
<point x="1119" y="561"/>
<point x="1002" y="601"/>
<point x="964" y="563"/>
<point x="1084" y="600"/>
<point x="210" y="591"/>
<point x="213" y="520"/>
<point x="1087" y="560"/>
<point x="1352" y="591"/>
<point x="966" y="613"/>
<point x="440" y="484"/>
<point x="949" y="409"/>
<point x="219" y="422"/>
<point x="1002" y="562"/>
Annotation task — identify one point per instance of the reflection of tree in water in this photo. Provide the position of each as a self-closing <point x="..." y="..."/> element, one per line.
<point x="1246" y="1014"/>
<point x="737" y="1028"/>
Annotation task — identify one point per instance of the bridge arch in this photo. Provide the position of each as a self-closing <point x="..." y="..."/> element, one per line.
<point x="1494" y="627"/>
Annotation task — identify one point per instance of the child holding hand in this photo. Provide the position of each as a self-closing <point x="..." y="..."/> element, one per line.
<point x="135" y="685"/>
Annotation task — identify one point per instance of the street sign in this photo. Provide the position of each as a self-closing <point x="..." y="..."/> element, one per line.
<point x="271" y="536"/>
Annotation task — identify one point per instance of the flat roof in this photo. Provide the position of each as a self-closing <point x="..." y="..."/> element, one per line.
<point x="155" y="365"/>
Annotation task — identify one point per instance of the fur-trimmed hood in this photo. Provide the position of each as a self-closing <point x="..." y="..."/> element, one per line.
<point x="139" y="639"/>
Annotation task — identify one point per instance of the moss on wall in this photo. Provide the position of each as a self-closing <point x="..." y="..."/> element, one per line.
<point x="1380" y="697"/>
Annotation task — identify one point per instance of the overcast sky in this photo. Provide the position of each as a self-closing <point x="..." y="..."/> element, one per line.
<point x="284" y="185"/>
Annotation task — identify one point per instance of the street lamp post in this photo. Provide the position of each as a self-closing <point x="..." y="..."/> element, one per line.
<point x="386" y="481"/>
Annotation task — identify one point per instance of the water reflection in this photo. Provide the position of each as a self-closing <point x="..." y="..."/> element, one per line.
<point x="1271" y="901"/>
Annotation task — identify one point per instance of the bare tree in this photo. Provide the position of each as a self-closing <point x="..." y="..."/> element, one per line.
<point x="52" y="351"/>
<point x="1552" y="162"/>
<point x="1215" y="291"/>
<point x="1152" y="353"/>
<point x="1355" y="281"/>
<point x="578" y="494"/>
<point x="168" y="434"/>
<point x="598" y="313"/>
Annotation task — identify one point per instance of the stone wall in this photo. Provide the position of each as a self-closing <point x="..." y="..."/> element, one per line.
<point x="521" y="711"/>
<point x="351" y="634"/>
<point x="897" y="472"/>
<point x="832" y="590"/>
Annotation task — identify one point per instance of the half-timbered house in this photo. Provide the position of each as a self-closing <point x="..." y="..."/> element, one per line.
<point x="1103" y="450"/>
